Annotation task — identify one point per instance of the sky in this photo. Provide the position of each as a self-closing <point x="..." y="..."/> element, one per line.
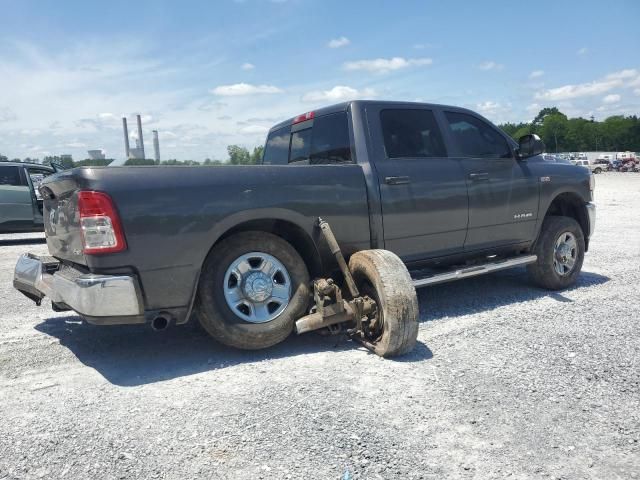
<point x="207" y="74"/>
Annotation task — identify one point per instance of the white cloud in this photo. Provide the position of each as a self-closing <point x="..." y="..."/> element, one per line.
<point x="338" y="42"/>
<point x="496" y="111"/>
<point x="339" y="93"/>
<point x="254" y="129"/>
<point x="490" y="65"/>
<point x="612" y="98"/>
<point x="629" y="73"/>
<point x="579" y="90"/>
<point x="583" y="51"/>
<point x="385" y="65"/>
<point x="239" y="89"/>
<point x="247" y="66"/>
<point x="536" y="74"/>
<point x="75" y="145"/>
<point x="636" y="91"/>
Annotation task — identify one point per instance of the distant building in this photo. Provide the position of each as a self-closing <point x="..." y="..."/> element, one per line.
<point x="96" y="154"/>
<point x="66" y="156"/>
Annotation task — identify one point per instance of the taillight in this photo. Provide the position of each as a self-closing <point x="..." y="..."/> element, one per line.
<point x="99" y="223"/>
<point x="304" y="117"/>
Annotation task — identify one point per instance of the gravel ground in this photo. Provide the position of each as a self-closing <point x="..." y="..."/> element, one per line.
<point x="507" y="381"/>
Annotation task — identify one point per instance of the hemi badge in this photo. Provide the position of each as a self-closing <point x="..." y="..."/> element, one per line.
<point x="545" y="179"/>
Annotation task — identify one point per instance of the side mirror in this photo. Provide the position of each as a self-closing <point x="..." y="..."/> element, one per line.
<point x="529" y="146"/>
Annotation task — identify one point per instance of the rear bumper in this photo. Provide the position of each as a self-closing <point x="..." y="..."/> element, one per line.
<point x="591" y="211"/>
<point x="88" y="294"/>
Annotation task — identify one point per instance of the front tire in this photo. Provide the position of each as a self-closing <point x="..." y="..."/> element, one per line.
<point x="597" y="170"/>
<point x="382" y="276"/>
<point x="253" y="287"/>
<point x="560" y="250"/>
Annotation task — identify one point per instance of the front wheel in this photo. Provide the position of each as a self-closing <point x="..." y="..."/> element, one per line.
<point x="560" y="251"/>
<point x="597" y="170"/>
<point x="382" y="276"/>
<point x="253" y="287"/>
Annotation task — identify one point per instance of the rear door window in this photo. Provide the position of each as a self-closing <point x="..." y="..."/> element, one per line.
<point x="411" y="133"/>
<point x="475" y="138"/>
<point x="10" y="175"/>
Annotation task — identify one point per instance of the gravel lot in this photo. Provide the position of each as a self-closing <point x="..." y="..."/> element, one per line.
<point x="507" y="381"/>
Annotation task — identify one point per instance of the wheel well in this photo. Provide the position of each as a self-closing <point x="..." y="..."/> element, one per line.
<point x="288" y="231"/>
<point x="570" y="205"/>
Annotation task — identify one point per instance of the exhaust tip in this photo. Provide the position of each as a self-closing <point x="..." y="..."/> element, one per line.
<point x="161" y="322"/>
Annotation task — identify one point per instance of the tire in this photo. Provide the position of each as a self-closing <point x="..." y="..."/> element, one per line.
<point x="213" y="309"/>
<point x="597" y="170"/>
<point x="384" y="277"/>
<point x="544" y="272"/>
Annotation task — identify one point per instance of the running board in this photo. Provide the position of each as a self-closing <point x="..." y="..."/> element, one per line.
<point x="474" y="270"/>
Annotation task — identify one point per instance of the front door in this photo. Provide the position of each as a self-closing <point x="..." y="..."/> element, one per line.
<point x="423" y="193"/>
<point x="503" y="193"/>
<point x="16" y="204"/>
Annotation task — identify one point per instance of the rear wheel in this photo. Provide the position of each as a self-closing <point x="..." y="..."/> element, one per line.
<point x="253" y="287"/>
<point x="382" y="276"/>
<point x="560" y="252"/>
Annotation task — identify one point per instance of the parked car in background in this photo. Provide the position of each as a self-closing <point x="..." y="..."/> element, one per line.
<point x="20" y="200"/>
<point x="600" y="166"/>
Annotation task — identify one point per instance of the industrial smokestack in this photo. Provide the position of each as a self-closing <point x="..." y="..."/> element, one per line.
<point x="156" y="147"/>
<point x="140" y="137"/>
<point x="126" y="138"/>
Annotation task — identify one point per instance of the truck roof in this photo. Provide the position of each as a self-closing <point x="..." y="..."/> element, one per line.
<point x="341" y="107"/>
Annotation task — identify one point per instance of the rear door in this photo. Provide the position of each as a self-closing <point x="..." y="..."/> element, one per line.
<point x="422" y="192"/>
<point x="16" y="207"/>
<point x="503" y="192"/>
<point x="35" y="175"/>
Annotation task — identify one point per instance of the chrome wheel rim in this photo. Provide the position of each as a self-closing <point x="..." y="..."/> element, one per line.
<point x="257" y="287"/>
<point x="565" y="254"/>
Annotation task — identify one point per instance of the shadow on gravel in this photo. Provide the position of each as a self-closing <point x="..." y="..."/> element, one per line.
<point x="130" y="355"/>
<point x="486" y="292"/>
<point x="8" y="242"/>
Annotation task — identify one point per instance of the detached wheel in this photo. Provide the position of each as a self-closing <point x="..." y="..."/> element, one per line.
<point x="382" y="276"/>
<point x="560" y="251"/>
<point x="253" y="287"/>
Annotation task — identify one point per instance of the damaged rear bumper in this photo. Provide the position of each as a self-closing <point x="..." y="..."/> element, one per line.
<point x="90" y="295"/>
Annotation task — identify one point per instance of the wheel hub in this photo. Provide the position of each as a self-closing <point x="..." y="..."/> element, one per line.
<point x="565" y="253"/>
<point x="258" y="287"/>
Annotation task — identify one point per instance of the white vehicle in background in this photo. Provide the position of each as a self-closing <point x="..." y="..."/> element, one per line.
<point x="605" y="157"/>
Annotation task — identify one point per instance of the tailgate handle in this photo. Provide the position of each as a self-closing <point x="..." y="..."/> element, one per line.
<point x="479" y="177"/>
<point x="396" y="180"/>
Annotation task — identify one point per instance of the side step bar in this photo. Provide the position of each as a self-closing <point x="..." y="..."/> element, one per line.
<point x="474" y="270"/>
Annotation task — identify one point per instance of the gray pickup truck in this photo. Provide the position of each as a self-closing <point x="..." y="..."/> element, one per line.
<point x="410" y="194"/>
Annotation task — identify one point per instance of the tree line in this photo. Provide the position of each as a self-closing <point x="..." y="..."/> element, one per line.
<point x="563" y="134"/>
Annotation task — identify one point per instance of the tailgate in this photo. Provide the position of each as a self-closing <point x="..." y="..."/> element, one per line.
<point x="61" y="216"/>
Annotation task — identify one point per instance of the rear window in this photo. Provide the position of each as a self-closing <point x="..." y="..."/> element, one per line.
<point x="276" y="151"/>
<point x="10" y="175"/>
<point x="325" y="141"/>
<point x="411" y="134"/>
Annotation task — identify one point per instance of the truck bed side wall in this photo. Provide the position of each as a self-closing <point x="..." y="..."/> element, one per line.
<point x="172" y="216"/>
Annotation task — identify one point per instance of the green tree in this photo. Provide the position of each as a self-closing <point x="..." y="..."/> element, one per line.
<point x="139" y="161"/>
<point x="238" y="155"/>
<point x="554" y="129"/>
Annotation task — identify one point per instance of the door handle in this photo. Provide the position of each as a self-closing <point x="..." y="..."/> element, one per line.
<point x="396" y="180"/>
<point x="479" y="177"/>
